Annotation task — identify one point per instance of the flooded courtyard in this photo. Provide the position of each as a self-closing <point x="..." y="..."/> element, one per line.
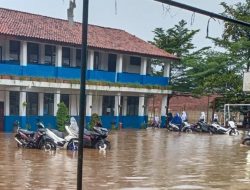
<point x="143" y="159"/>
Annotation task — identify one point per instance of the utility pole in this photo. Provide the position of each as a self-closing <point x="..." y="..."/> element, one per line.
<point x="82" y="92"/>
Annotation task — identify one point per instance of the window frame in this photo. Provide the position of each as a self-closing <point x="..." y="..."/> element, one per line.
<point x="14" y="50"/>
<point x="51" y="54"/>
<point x="49" y="105"/>
<point x="33" y="49"/>
<point x="29" y="107"/>
<point x="16" y="102"/>
<point x="66" y="56"/>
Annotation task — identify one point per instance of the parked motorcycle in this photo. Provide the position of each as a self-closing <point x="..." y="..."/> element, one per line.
<point x="97" y="138"/>
<point x="201" y="126"/>
<point x="218" y="129"/>
<point x="31" y="139"/>
<point x="246" y="140"/>
<point x="64" y="140"/>
<point x="184" y="127"/>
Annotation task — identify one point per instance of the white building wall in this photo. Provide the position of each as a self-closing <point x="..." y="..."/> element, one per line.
<point x="74" y="103"/>
<point x="130" y="68"/>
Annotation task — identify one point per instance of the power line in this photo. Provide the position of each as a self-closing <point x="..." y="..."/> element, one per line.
<point x="204" y="12"/>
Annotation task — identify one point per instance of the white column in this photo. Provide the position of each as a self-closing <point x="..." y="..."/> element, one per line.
<point x="119" y="62"/>
<point x="40" y="104"/>
<point x="6" y="49"/>
<point x="100" y="105"/>
<point x="141" y="106"/>
<point x="124" y="107"/>
<point x="163" y="105"/>
<point x="117" y="103"/>
<point x="7" y="103"/>
<point x="143" y="70"/>
<point x="166" y="72"/>
<point x="23" y="53"/>
<point x="72" y="57"/>
<point x="90" y="65"/>
<point x="42" y="53"/>
<point x="22" y="104"/>
<point x="58" y="56"/>
<point x="89" y="104"/>
<point x="57" y="96"/>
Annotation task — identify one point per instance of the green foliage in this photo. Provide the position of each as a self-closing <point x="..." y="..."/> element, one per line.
<point x="177" y="41"/>
<point x="93" y="121"/>
<point x="62" y="116"/>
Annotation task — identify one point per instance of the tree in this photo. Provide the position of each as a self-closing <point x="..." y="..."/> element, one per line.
<point x="62" y="116"/>
<point x="177" y="41"/>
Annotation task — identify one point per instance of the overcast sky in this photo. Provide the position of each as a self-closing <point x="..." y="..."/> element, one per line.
<point x="138" y="17"/>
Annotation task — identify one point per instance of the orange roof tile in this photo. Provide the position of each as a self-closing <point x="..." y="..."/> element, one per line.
<point x="27" y="25"/>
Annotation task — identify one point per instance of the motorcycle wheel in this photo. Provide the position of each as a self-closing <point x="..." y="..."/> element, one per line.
<point x="48" y="145"/>
<point x="100" y="145"/>
<point x="188" y="131"/>
<point x="246" y="142"/>
<point x="234" y="132"/>
<point x="108" y="144"/>
<point x="72" y="145"/>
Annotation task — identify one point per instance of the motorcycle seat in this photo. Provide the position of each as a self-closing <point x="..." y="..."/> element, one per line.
<point x="27" y="132"/>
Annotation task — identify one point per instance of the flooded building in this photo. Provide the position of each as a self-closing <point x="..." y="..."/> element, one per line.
<point x="40" y="59"/>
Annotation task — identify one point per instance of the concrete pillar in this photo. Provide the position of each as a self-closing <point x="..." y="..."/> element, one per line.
<point x="89" y="104"/>
<point x="166" y="72"/>
<point x="117" y="103"/>
<point x="73" y="57"/>
<point x="23" y="53"/>
<point x="90" y="65"/>
<point x="57" y="96"/>
<point x="58" y="56"/>
<point x="40" y="104"/>
<point x="42" y="53"/>
<point x="100" y="105"/>
<point x="119" y="64"/>
<point x="124" y="107"/>
<point x="163" y="105"/>
<point x="7" y="103"/>
<point x="143" y="70"/>
<point x="22" y="104"/>
<point x="141" y="106"/>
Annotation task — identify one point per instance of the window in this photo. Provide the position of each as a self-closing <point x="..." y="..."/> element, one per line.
<point x="78" y="58"/>
<point x="14" y="98"/>
<point x="48" y="108"/>
<point x="32" y="103"/>
<point x="65" y="99"/>
<point x="33" y="53"/>
<point x="50" y="55"/>
<point x="135" y="61"/>
<point x="108" y="105"/>
<point x="66" y="56"/>
<point x="14" y="51"/>
<point x="112" y="63"/>
<point x="133" y="105"/>
<point x="96" y="60"/>
<point x="1" y="54"/>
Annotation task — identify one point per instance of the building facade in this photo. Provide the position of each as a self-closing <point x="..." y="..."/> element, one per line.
<point x="40" y="59"/>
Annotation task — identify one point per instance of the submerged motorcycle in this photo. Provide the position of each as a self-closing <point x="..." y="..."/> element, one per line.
<point x="31" y="139"/>
<point x="184" y="127"/>
<point x="246" y="140"/>
<point x="97" y="138"/>
<point x="218" y="129"/>
<point x="62" y="140"/>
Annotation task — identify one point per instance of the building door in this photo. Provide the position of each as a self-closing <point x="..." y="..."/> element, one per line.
<point x="112" y="63"/>
<point x="1" y="116"/>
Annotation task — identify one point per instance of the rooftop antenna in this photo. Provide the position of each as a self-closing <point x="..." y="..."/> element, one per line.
<point x="70" y="10"/>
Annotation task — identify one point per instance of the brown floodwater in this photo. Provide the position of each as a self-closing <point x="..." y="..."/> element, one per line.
<point x="143" y="159"/>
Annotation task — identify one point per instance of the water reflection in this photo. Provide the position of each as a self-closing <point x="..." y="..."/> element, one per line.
<point x="147" y="159"/>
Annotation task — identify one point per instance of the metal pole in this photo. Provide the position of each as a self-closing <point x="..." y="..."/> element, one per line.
<point x="82" y="92"/>
<point x="203" y="12"/>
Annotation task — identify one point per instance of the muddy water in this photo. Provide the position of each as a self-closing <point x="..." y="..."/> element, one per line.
<point x="147" y="159"/>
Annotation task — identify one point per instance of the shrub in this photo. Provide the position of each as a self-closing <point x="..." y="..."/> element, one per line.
<point x="62" y="116"/>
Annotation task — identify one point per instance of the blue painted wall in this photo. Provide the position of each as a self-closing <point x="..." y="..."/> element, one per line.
<point x="48" y="71"/>
<point x="50" y="122"/>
